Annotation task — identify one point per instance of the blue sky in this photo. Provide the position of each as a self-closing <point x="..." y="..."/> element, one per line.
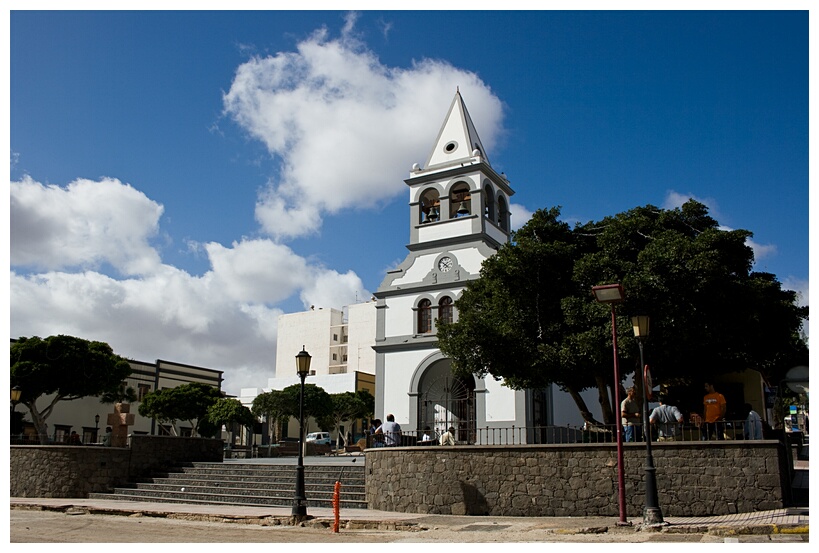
<point x="179" y="179"/>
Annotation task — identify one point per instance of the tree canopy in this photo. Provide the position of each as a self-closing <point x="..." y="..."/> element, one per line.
<point x="68" y="367"/>
<point x="275" y="406"/>
<point x="317" y="403"/>
<point x="532" y="320"/>
<point x="189" y="402"/>
<point x="229" y="411"/>
<point x="348" y="406"/>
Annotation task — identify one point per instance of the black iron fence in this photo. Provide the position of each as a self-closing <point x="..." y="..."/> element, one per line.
<point x="572" y="434"/>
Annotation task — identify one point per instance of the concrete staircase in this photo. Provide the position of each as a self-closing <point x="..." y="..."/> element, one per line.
<point x="246" y="484"/>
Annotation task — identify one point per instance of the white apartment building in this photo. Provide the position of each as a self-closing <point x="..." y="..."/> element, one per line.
<point x="340" y="343"/>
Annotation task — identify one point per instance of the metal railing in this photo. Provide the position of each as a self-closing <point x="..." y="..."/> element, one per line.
<point x="571" y="434"/>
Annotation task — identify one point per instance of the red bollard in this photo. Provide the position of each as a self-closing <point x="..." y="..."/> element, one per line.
<point x="336" y="504"/>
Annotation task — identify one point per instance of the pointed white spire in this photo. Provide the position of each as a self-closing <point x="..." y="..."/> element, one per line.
<point x="458" y="142"/>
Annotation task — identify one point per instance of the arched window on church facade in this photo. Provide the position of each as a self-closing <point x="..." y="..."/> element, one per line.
<point x="445" y="310"/>
<point x="424" y="316"/>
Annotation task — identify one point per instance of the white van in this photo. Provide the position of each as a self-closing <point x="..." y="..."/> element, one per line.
<point x="318" y="438"/>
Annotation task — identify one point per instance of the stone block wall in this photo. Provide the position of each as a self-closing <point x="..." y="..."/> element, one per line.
<point x="693" y="479"/>
<point x="77" y="471"/>
<point x="66" y="471"/>
<point x="152" y="453"/>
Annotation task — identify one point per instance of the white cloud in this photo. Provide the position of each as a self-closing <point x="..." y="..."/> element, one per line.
<point x="225" y="319"/>
<point x="345" y="128"/>
<point x="520" y="215"/>
<point x="675" y="199"/>
<point x="83" y="225"/>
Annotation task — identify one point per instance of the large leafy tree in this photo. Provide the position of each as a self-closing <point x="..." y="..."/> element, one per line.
<point x="276" y="407"/>
<point x="317" y="403"/>
<point x="189" y="402"/>
<point x="531" y="318"/>
<point x="65" y="368"/>
<point x="349" y="406"/>
<point x="229" y="411"/>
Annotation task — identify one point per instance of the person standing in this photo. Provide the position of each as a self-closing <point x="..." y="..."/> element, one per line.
<point x="630" y="413"/>
<point x="667" y="418"/>
<point x="391" y="431"/>
<point x="752" y="427"/>
<point x="714" y="406"/>
<point x="448" y="437"/>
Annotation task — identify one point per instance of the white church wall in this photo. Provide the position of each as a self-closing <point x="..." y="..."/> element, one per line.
<point x="500" y="401"/>
<point x="469" y="258"/>
<point x="432" y="232"/>
<point x="417" y="271"/>
<point x="398" y="370"/>
<point x="399" y="318"/>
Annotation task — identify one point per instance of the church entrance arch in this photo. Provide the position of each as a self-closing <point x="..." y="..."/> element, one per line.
<point x="446" y="400"/>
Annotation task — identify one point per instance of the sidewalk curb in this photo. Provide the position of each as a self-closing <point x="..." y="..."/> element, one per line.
<point x="399" y="525"/>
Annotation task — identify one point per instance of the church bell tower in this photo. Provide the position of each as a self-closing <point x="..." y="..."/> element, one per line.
<point x="459" y="216"/>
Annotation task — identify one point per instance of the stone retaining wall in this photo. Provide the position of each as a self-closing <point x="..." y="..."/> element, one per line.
<point x="77" y="471"/>
<point x="66" y="471"/>
<point x="693" y="479"/>
<point x="152" y="453"/>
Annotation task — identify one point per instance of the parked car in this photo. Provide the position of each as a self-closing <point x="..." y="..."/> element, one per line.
<point x="318" y="438"/>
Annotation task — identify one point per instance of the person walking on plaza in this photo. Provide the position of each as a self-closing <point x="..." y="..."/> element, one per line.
<point x="630" y="413"/>
<point x="667" y="418"/>
<point x="714" y="407"/>
<point x="448" y="438"/>
<point x="391" y="431"/>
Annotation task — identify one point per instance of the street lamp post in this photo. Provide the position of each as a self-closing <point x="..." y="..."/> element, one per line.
<point x="96" y="427"/>
<point x="652" y="514"/>
<point x="16" y="392"/>
<point x="300" y="502"/>
<point x="613" y="294"/>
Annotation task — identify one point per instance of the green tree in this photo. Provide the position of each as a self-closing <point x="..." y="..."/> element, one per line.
<point x="189" y="402"/>
<point x="317" y="403"/>
<point x="65" y="368"/>
<point x="531" y="318"/>
<point x="230" y="411"/>
<point x="121" y="394"/>
<point x="276" y="407"/>
<point x="348" y="406"/>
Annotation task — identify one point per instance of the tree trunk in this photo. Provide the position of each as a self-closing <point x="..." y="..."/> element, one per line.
<point x="605" y="401"/>
<point x="39" y="423"/>
<point x="581" y="405"/>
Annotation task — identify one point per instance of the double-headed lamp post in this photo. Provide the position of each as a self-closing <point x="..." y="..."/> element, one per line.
<point x="652" y="514"/>
<point x="300" y="502"/>
<point x="613" y="294"/>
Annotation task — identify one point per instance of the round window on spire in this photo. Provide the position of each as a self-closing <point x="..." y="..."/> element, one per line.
<point x="450" y="147"/>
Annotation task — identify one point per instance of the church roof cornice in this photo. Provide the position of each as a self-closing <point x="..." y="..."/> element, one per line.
<point x="476" y="166"/>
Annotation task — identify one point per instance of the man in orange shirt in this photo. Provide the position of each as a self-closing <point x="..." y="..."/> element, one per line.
<point x="714" y="406"/>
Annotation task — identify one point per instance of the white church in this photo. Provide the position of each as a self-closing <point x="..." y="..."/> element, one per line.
<point x="459" y="216"/>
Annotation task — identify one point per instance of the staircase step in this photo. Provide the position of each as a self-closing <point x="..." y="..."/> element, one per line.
<point x="246" y="484"/>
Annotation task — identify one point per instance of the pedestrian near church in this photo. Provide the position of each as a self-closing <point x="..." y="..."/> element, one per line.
<point x="714" y="407"/>
<point x="630" y="413"/>
<point x="391" y="431"/>
<point x="448" y="437"/>
<point x="667" y="418"/>
<point x="752" y="427"/>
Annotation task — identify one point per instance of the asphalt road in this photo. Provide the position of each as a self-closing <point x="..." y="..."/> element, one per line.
<point x="32" y="526"/>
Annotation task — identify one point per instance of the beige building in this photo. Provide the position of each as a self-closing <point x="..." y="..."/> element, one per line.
<point x="88" y="417"/>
